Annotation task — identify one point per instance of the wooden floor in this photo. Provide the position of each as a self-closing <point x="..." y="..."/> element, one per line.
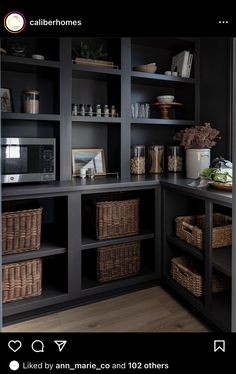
<point x="151" y="309"/>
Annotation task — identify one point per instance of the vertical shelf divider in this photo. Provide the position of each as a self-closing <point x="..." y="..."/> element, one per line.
<point x="65" y="108"/>
<point x="208" y="253"/>
<point x="125" y="106"/>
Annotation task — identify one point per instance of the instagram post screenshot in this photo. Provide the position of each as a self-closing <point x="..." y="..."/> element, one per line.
<point x="118" y="134"/>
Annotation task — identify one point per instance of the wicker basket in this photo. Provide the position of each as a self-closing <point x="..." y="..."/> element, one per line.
<point x="22" y="280"/>
<point x="186" y="273"/>
<point x="112" y="216"/>
<point x="21" y="231"/>
<point x="118" y="261"/>
<point x="191" y="230"/>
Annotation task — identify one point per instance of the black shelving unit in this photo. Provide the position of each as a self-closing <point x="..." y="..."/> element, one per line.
<point x="61" y="83"/>
<point x="215" y="306"/>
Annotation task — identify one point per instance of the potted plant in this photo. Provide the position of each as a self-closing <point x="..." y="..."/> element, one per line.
<point x="197" y="141"/>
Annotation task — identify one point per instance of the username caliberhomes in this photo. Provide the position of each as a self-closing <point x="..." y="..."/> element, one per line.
<point x="55" y="22"/>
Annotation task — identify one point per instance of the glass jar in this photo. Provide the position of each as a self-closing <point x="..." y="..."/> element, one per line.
<point x="175" y="159"/>
<point x="137" y="162"/>
<point x="156" y="159"/>
<point x="31" y="102"/>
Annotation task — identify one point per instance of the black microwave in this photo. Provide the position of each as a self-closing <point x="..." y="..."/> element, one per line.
<point x="28" y="160"/>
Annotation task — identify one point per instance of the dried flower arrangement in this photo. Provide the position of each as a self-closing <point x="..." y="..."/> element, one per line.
<point x="198" y="137"/>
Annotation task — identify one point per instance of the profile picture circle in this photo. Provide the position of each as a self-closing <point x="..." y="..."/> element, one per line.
<point x="14" y="22"/>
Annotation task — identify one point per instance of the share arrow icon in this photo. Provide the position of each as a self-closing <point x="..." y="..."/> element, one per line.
<point x="61" y="344"/>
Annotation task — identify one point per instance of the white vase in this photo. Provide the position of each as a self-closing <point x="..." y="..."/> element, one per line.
<point x="196" y="161"/>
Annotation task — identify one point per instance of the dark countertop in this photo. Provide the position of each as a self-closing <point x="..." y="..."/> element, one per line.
<point x="171" y="181"/>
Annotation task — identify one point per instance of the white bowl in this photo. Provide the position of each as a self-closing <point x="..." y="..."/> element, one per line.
<point x="165" y="99"/>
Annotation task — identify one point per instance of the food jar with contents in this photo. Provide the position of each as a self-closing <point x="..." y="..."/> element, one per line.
<point x="156" y="159"/>
<point x="31" y="102"/>
<point x="137" y="162"/>
<point x="175" y="159"/>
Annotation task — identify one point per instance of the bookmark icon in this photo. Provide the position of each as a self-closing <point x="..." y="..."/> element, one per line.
<point x="61" y="344"/>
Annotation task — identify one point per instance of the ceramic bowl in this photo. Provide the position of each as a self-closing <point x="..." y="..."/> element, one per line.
<point x="165" y="99"/>
<point x="148" y="68"/>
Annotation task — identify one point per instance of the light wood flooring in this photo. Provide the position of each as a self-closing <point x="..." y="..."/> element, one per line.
<point x="151" y="309"/>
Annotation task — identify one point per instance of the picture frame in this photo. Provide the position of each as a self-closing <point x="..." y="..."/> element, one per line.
<point x="6" y="100"/>
<point x="85" y="158"/>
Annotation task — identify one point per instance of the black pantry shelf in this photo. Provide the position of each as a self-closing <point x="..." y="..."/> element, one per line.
<point x="88" y="243"/>
<point x="160" y="79"/>
<point x="31" y="117"/>
<point x="95" y="119"/>
<point x="14" y="63"/>
<point x="159" y="121"/>
<point x="93" y="72"/>
<point x="47" y="249"/>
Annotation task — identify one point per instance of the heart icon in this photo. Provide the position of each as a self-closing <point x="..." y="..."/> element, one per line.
<point x="14" y="345"/>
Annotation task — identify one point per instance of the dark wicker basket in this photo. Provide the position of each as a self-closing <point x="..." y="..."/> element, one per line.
<point x="112" y="216"/>
<point x="21" y="231"/>
<point x="118" y="261"/>
<point x="22" y="280"/>
<point x="191" y="230"/>
<point x="185" y="272"/>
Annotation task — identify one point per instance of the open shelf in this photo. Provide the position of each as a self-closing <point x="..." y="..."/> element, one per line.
<point x="31" y="117"/>
<point x="47" y="249"/>
<point x="94" y="72"/>
<point x="50" y="296"/>
<point x="185" y="246"/>
<point x="96" y="119"/>
<point x="222" y="259"/>
<point x="91" y="286"/>
<point x="88" y="242"/>
<point x="159" y="121"/>
<point x="15" y="63"/>
<point x="165" y="80"/>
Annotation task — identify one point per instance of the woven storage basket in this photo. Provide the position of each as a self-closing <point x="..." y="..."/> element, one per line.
<point x="21" y="231"/>
<point x="22" y="280"/>
<point x="191" y="230"/>
<point x="112" y="216"/>
<point x="182" y="272"/>
<point x="118" y="261"/>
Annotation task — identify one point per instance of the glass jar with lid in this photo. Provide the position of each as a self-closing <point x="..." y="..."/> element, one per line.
<point x="137" y="162"/>
<point x="175" y="159"/>
<point x="156" y="159"/>
<point x="31" y="101"/>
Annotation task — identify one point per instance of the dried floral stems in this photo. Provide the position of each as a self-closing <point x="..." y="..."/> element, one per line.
<point x="199" y="137"/>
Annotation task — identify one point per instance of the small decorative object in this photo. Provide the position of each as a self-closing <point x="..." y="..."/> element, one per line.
<point x="174" y="73"/>
<point x="165" y="103"/>
<point x="74" y="109"/>
<point x="90" y="110"/>
<point x="88" y="158"/>
<point x="3" y="51"/>
<point x="106" y="111"/>
<point x="98" y="110"/>
<point x="113" y="111"/>
<point x="6" y="100"/>
<point x="89" y="54"/>
<point x="148" y="68"/>
<point x="175" y="159"/>
<point x="82" y="173"/>
<point x="31" y="102"/>
<point x="18" y="50"/>
<point x="182" y="63"/>
<point x="167" y="72"/>
<point x="198" y="142"/>
<point x="91" y="173"/>
<point x="82" y="110"/>
<point x="38" y="57"/>
<point x="139" y="110"/>
<point x="156" y="159"/>
<point x="137" y="163"/>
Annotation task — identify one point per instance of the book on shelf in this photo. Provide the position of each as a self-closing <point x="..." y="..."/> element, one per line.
<point x="182" y="63"/>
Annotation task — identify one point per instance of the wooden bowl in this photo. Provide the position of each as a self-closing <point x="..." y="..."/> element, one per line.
<point x="221" y="186"/>
<point x="148" y="68"/>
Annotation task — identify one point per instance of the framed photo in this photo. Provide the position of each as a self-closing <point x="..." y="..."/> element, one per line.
<point x="88" y="158"/>
<point x="6" y="100"/>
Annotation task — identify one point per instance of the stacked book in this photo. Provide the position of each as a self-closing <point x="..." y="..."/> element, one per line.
<point x="182" y="63"/>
